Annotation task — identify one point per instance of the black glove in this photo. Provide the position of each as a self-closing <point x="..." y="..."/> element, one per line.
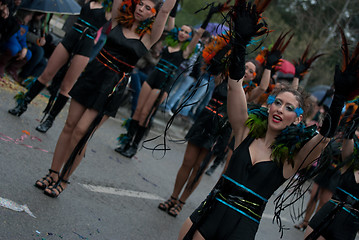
<point x="237" y="65"/>
<point x="174" y="9"/>
<point x="245" y="19"/>
<point x="343" y="84"/>
<point x="272" y="59"/>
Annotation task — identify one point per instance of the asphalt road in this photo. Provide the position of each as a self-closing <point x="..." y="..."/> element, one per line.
<point x="110" y="197"/>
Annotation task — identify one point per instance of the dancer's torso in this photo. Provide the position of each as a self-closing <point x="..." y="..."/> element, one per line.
<point x="263" y="177"/>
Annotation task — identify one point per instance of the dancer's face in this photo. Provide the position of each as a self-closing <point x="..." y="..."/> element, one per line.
<point x="144" y="10"/>
<point x="184" y="33"/>
<point x="282" y="111"/>
<point x="250" y="71"/>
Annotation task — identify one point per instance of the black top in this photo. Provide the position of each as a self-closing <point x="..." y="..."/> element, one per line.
<point x="263" y="178"/>
<point x="98" y="80"/>
<point x="349" y="185"/>
<point x="96" y="17"/>
<point x="128" y="50"/>
<point x="176" y="58"/>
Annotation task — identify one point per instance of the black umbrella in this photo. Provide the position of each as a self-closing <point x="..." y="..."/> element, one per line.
<point x="320" y="93"/>
<point x="70" y="7"/>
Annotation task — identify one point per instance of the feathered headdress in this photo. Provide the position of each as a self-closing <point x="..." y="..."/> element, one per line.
<point x="303" y="64"/>
<point x="213" y="47"/>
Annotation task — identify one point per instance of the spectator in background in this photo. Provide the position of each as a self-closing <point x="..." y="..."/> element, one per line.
<point x="15" y="52"/>
<point x="8" y="23"/>
<point x="35" y="41"/>
<point x="188" y="77"/>
<point x="4" y="14"/>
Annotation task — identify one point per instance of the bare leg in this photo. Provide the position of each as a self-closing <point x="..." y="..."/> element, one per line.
<point x="63" y="143"/>
<point x="142" y="99"/>
<point x="73" y="136"/>
<point x="309" y="231"/>
<point x="79" y="132"/>
<point x="185" y="228"/>
<point x="78" y="64"/>
<point x="189" y="189"/>
<point x="146" y="100"/>
<point x="310" y="207"/>
<point x="58" y="58"/>
<point x="189" y="160"/>
<point x="147" y="108"/>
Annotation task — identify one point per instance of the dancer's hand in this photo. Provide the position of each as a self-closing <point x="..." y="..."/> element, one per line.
<point x="245" y="19"/>
<point x="301" y="68"/>
<point x="345" y="82"/>
<point x="273" y="59"/>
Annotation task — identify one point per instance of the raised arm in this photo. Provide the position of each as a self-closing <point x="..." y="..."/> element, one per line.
<point x="344" y="82"/>
<point x="255" y="93"/>
<point x="114" y="13"/>
<point x="212" y="10"/>
<point x="172" y="17"/>
<point x="237" y="108"/>
<point x="192" y="45"/>
<point x="245" y="20"/>
<point x="160" y="21"/>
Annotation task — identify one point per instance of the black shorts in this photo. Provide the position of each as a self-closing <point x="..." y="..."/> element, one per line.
<point x="225" y="223"/>
<point x="77" y="45"/>
<point x="343" y="227"/>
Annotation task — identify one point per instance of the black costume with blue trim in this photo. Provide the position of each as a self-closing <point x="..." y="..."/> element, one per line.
<point x="80" y="40"/>
<point x="163" y="76"/>
<point x="344" y="208"/>
<point x="234" y="207"/>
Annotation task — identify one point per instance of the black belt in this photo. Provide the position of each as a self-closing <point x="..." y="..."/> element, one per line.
<point x="85" y="30"/>
<point x="112" y="62"/>
<point x="241" y="199"/>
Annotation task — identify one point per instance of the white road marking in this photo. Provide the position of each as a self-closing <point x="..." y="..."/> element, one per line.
<point x="7" y="203"/>
<point x="122" y="192"/>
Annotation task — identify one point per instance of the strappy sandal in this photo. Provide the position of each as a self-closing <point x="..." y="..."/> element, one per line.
<point x="174" y="211"/>
<point x="46" y="181"/>
<point x="302" y="226"/>
<point x="56" y="189"/>
<point x="165" y="206"/>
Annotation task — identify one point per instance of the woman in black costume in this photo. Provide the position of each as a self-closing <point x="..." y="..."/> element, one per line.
<point x="77" y="45"/>
<point x="203" y="134"/>
<point x="338" y="219"/>
<point x="155" y="89"/>
<point x="96" y="94"/>
<point x="260" y="164"/>
<point x="324" y="184"/>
